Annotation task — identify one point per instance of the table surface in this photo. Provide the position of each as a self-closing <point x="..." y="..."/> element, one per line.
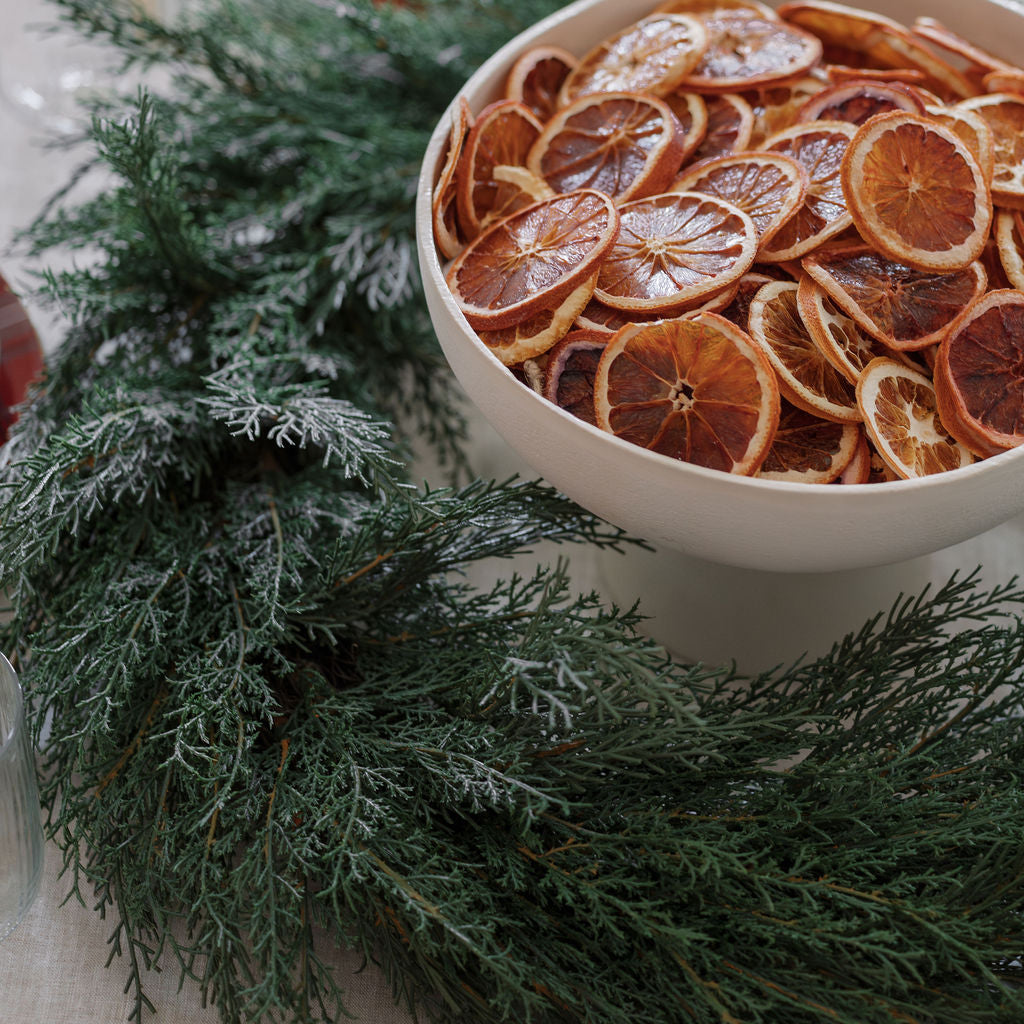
<point x="52" y="969"/>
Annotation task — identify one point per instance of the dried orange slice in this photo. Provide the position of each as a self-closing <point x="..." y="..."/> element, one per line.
<point x="857" y="100"/>
<point x="806" y="378"/>
<point x="838" y="337"/>
<point x="903" y="422"/>
<point x="443" y="208"/>
<point x="533" y="259"/>
<point x="514" y="188"/>
<point x="651" y="55"/>
<point x="775" y="107"/>
<point x="624" y="144"/>
<point x="571" y="369"/>
<point x="978" y="61"/>
<point x="808" y="449"/>
<point x="1009" y="235"/>
<point x="596" y="316"/>
<point x="713" y="6"/>
<point x="853" y="36"/>
<point x="979" y="374"/>
<point x="820" y="148"/>
<point x="768" y="187"/>
<point x="973" y="130"/>
<point x="1004" y="115"/>
<point x="538" y="333"/>
<point x="697" y="390"/>
<point x="673" y="251"/>
<point x="536" y="78"/>
<point x="730" y="121"/>
<point x="738" y="310"/>
<point x="1011" y="81"/>
<point x="745" y="51"/>
<point x="904" y="308"/>
<point x="692" y="114"/>
<point x="916" y="192"/>
<point x="839" y="74"/>
<point x="502" y="133"/>
<point x="858" y="469"/>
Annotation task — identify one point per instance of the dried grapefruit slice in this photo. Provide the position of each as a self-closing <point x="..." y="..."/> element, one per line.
<point x="904" y="308"/>
<point x="745" y="51"/>
<point x="806" y="378"/>
<point x="857" y="100"/>
<point x="697" y="390"/>
<point x="536" y="78"/>
<point x="502" y="133"/>
<point x="1004" y="115"/>
<point x="673" y="251"/>
<point x="443" y="208"/>
<point x="768" y="187"/>
<point x="808" y="449"/>
<point x="624" y="144"/>
<point x="730" y="121"/>
<point x="538" y="333"/>
<point x="651" y="55"/>
<point x="571" y="369"/>
<point x="916" y="192"/>
<point x="533" y="259"/>
<point x="901" y="418"/>
<point x="1010" y="242"/>
<point x="820" y="148"/>
<point x="979" y="374"/>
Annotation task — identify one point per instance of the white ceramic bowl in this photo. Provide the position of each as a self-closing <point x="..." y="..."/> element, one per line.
<point x="750" y="523"/>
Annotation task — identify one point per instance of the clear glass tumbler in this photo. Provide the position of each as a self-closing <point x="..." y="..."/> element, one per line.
<point x="21" y="834"/>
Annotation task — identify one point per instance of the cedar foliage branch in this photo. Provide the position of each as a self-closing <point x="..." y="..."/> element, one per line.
<point x="280" y="717"/>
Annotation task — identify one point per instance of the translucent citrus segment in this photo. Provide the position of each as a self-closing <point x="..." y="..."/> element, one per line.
<point x="808" y="449"/>
<point x="502" y="133"/>
<point x="916" y="192"/>
<point x="533" y="259"/>
<point x="1004" y="115"/>
<point x="447" y="236"/>
<point x="902" y="307"/>
<point x="806" y="378"/>
<point x="624" y="144"/>
<point x="979" y="374"/>
<point x="674" y="249"/>
<point x="745" y="51"/>
<point x="696" y="390"/>
<point x="819" y="147"/>
<point x="730" y="121"/>
<point x="902" y="419"/>
<point x="571" y="370"/>
<point x="651" y="55"/>
<point x="537" y="77"/>
<point x="768" y="187"/>
<point x="857" y="100"/>
<point x="1010" y="242"/>
<point x="838" y="337"/>
<point x="539" y="332"/>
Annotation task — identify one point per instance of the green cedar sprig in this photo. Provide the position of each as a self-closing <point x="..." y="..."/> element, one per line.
<point x="279" y="717"/>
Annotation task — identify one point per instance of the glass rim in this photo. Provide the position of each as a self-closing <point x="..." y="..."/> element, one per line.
<point x="13" y="736"/>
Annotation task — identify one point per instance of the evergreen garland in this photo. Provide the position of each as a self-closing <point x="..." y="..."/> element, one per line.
<point x="279" y="717"/>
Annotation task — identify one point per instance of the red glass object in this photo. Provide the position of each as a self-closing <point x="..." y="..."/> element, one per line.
<point x="21" y="356"/>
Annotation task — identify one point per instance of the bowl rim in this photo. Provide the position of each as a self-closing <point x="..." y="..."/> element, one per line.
<point x="430" y="265"/>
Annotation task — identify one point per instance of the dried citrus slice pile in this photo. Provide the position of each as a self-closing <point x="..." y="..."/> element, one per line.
<point x="779" y="242"/>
